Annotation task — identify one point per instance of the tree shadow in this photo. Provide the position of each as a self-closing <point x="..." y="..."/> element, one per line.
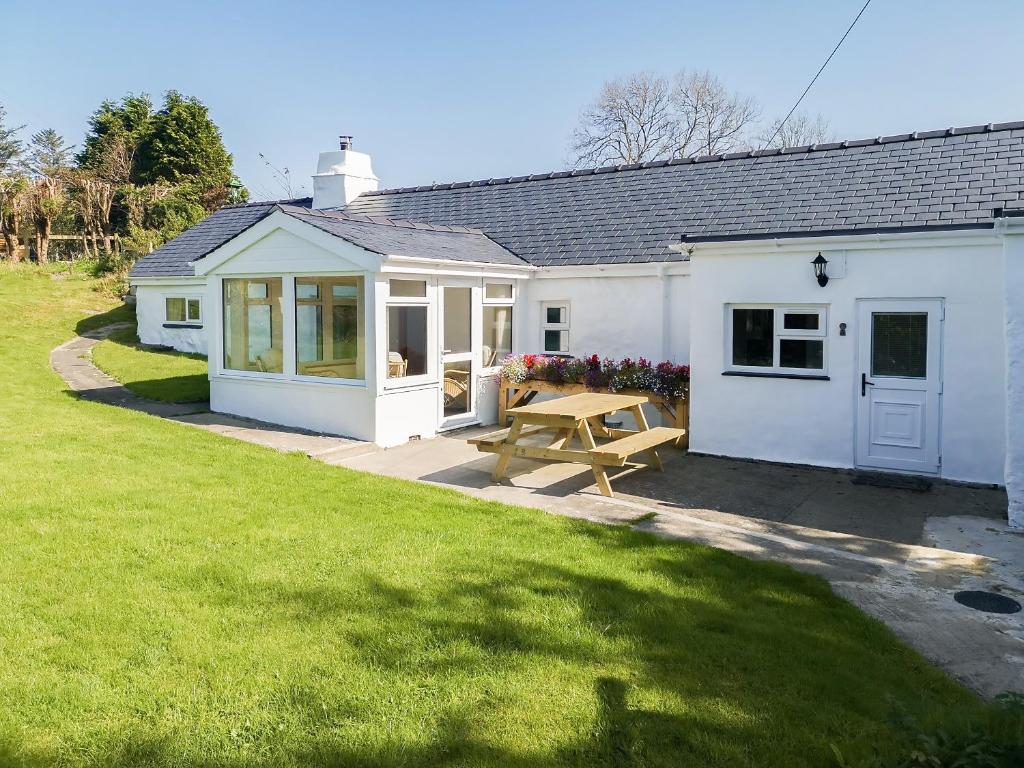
<point x="123" y="313"/>
<point x="676" y="655"/>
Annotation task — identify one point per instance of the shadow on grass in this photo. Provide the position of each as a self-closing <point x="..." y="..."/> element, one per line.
<point x="182" y="390"/>
<point x="123" y="313"/>
<point x="134" y="360"/>
<point x="697" y="657"/>
<point x="641" y="652"/>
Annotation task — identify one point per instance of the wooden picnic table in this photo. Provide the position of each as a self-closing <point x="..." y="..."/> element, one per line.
<point x="581" y="416"/>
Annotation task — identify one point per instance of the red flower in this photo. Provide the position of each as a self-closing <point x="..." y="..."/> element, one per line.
<point x="529" y="360"/>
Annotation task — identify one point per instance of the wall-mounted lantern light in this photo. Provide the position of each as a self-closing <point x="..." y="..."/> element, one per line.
<point x="820" y="263"/>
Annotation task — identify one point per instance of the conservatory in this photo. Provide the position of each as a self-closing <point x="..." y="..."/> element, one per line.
<point x="379" y="330"/>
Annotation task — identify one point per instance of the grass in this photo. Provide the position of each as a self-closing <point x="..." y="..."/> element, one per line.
<point x="172" y="597"/>
<point x="174" y="377"/>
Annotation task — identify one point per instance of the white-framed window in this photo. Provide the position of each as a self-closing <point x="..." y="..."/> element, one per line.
<point x="182" y="309"/>
<point x="498" y="293"/>
<point x="253" y="324"/>
<point x="769" y="338"/>
<point x="554" y="324"/>
<point x="407" y="317"/>
<point x="329" y="335"/>
<point x="399" y="288"/>
<point x="498" y="302"/>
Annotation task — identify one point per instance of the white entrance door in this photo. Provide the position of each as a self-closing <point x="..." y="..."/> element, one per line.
<point x="899" y="384"/>
<point x="458" y="386"/>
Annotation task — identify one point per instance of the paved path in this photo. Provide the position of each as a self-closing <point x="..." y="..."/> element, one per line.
<point x="899" y="562"/>
<point x="73" y="361"/>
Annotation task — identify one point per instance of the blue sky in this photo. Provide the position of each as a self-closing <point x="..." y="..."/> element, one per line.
<point x="443" y="91"/>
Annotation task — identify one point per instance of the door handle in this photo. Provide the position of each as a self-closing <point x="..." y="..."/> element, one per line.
<point x="864" y="384"/>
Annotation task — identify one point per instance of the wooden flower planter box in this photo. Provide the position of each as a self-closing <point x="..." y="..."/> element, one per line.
<point x="676" y="411"/>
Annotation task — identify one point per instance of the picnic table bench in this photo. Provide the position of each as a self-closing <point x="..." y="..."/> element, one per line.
<point x="581" y="416"/>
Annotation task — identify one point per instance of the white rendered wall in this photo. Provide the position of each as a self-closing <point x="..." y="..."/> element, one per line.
<point x="813" y="422"/>
<point x="406" y="413"/>
<point x="150" y="311"/>
<point x="613" y="315"/>
<point x="331" y="408"/>
<point x="1013" y="253"/>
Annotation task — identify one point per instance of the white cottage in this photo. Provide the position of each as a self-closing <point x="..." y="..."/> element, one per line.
<point x="856" y="304"/>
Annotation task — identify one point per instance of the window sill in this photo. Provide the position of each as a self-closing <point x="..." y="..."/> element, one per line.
<point x="183" y="325"/>
<point x="772" y="375"/>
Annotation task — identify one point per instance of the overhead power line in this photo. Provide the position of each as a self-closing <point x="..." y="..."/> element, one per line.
<point x="818" y="74"/>
<point x="789" y="114"/>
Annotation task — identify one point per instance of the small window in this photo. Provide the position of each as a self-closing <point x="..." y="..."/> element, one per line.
<point x="753" y="335"/>
<point x="802" y="353"/>
<point x="777" y="339"/>
<point x="497" y="335"/>
<point x="408" y="289"/>
<point x="407" y="341"/>
<point x="175" y="310"/>
<point x="555" y="327"/>
<point x="498" y="291"/>
<point x="801" y="321"/>
<point x="181" y="310"/>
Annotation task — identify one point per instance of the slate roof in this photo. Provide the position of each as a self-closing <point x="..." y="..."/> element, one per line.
<point x="949" y="179"/>
<point x="172" y="259"/>
<point x="379" y="235"/>
<point x="408" y="238"/>
<point x="952" y="178"/>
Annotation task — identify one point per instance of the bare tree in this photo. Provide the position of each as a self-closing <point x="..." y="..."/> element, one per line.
<point x="631" y="121"/>
<point x="13" y="203"/>
<point x="94" y="199"/>
<point x="282" y="176"/>
<point x="48" y="162"/>
<point x="800" y="130"/>
<point x="12" y="184"/>
<point x="97" y="187"/>
<point x="646" y="117"/>
<point x="711" y="119"/>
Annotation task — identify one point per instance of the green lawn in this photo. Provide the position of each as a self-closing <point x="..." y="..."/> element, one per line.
<point x="171" y="597"/>
<point x="174" y="377"/>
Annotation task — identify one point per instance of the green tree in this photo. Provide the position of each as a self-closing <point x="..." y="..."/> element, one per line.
<point x="48" y="153"/>
<point x="116" y="124"/>
<point x="184" y="147"/>
<point x="169" y="168"/>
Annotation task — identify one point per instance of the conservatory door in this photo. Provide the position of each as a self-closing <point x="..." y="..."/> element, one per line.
<point x="457" y="390"/>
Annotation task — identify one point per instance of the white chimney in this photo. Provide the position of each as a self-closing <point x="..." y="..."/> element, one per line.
<point x="341" y="176"/>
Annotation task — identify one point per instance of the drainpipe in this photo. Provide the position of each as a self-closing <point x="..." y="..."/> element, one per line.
<point x="666" y="311"/>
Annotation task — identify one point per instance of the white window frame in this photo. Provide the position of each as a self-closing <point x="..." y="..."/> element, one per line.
<point x="427" y="301"/>
<point x="196" y="323"/>
<point x="545" y="326"/>
<point x="504" y="301"/>
<point x="780" y="334"/>
<point x="367" y="340"/>
<point x="424" y="299"/>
